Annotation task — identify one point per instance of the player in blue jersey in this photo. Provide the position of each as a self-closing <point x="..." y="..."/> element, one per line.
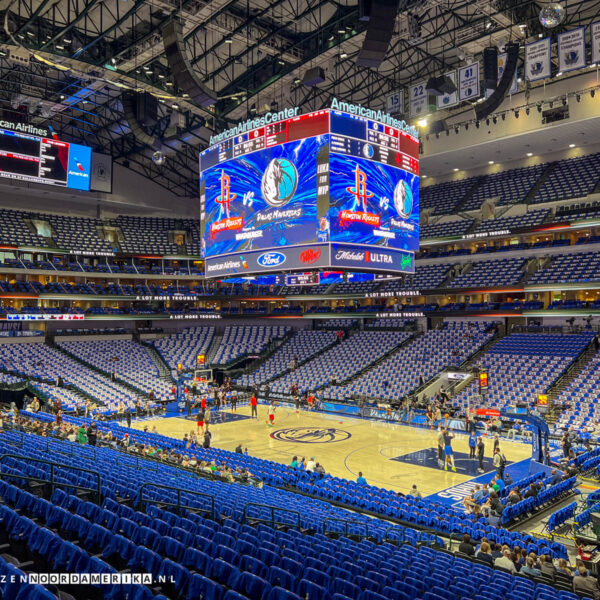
<point x="449" y="456"/>
<point x="323" y="231"/>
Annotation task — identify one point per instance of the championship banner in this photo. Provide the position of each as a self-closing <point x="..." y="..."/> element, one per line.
<point x="595" y="42"/>
<point x="418" y="99"/>
<point x="537" y="60"/>
<point x="514" y="86"/>
<point x="468" y="82"/>
<point x="571" y="50"/>
<point x="448" y="100"/>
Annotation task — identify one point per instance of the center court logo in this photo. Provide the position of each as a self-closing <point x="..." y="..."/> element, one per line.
<point x="311" y="435"/>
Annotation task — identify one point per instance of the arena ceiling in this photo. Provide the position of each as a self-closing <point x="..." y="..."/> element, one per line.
<point x="78" y="57"/>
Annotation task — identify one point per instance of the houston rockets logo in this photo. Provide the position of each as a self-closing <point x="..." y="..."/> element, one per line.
<point x="226" y="197"/>
<point x="359" y="191"/>
<point x="225" y="221"/>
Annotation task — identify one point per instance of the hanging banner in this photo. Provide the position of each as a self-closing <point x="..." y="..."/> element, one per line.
<point x="571" y="50"/>
<point x="418" y="99"/>
<point x="468" y="82"/>
<point x="394" y="103"/>
<point x="448" y="100"/>
<point x="537" y="60"/>
<point x="514" y="86"/>
<point x="595" y="42"/>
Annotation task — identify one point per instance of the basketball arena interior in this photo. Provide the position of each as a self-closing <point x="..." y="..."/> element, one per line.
<point x="299" y="300"/>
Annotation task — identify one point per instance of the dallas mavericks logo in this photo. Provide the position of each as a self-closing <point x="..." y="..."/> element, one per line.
<point x="226" y="197"/>
<point x="359" y="191"/>
<point x="403" y="200"/>
<point x="311" y="435"/>
<point x="279" y="182"/>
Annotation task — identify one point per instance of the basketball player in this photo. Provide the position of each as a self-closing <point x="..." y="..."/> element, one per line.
<point x="440" y="442"/>
<point x="254" y="405"/>
<point x="234" y="401"/>
<point x="448" y="437"/>
<point x="200" y="422"/>
<point x="271" y="414"/>
<point x="206" y="418"/>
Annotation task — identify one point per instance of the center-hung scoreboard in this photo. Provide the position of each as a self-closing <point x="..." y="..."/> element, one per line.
<point x="325" y="189"/>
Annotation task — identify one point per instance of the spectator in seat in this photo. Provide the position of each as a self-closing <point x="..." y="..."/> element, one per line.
<point x="494" y="503"/>
<point x="532" y="492"/>
<point x="586" y="585"/>
<point x="555" y="477"/>
<point x="311" y="464"/>
<point x="415" y="492"/>
<point x="360" y="479"/>
<point x="466" y="546"/>
<point x="547" y="566"/>
<point x="529" y="568"/>
<point x="496" y="551"/>
<point x="505" y="562"/>
<point x="564" y="568"/>
<point x="514" y="496"/>
<point x="478" y="493"/>
<point x="485" y="554"/>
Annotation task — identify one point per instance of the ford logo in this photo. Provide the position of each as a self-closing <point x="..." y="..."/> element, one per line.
<point x="271" y="259"/>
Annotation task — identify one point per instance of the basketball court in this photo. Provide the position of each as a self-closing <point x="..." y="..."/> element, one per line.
<point x="389" y="455"/>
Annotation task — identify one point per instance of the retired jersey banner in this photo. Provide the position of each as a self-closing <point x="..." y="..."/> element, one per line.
<point x="595" y="42"/>
<point x="394" y="103"/>
<point x="448" y="100"/>
<point x="571" y="50"/>
<point x="537" y="60"/>
<point x="468" y="82"/>
<point x="418" y="99"/>
<point x="514" y="86"/>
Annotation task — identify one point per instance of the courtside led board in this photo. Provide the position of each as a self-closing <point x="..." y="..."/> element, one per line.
<point x="324" y="189"/>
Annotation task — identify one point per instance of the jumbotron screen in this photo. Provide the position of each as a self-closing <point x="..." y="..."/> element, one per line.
<point x="326" y="189"/>
<point x="44" y="160"/>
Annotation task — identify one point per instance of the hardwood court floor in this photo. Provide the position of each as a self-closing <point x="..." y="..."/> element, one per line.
<point x="389" y="455"/>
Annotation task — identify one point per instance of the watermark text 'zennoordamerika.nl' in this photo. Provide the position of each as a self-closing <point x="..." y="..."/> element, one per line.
<point x="85" y="579"/>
